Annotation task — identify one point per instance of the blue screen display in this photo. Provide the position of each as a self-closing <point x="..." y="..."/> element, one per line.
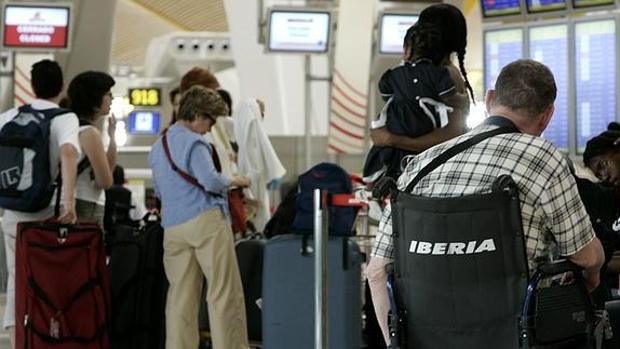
<point x="535" y="6"/>
<point x="549" y="45"/>
<point x="498" y="8"/>
<point x="501" y="48"/>
<point x="595" y="75"/>
<point x="143" y="123"/>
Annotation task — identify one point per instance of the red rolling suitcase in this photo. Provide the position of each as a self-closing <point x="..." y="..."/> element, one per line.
<point x="61" y="287"/>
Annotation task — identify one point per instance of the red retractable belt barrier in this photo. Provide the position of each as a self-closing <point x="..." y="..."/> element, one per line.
<point x="347" y="200"/>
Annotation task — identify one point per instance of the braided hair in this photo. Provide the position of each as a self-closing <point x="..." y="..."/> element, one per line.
<point x="441" y="29"/>
<point x="426" y="41"/>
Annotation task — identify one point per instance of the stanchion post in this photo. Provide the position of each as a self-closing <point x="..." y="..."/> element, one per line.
<point x="321" y="229"/>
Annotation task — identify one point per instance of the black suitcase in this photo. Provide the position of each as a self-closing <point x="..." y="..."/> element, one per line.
<point x="288" y="293"/>
<point x="139" y="286"/>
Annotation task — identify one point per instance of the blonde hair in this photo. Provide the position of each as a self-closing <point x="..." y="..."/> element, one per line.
<point x="201" y="100"/>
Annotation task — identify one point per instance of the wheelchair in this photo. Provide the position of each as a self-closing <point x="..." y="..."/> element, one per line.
<point x="461" y="280"/>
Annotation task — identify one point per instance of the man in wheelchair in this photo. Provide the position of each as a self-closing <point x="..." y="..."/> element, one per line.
<point x="473" y="229"/>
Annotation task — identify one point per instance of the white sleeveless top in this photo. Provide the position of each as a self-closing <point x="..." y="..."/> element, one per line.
<point x="85" y="187"/>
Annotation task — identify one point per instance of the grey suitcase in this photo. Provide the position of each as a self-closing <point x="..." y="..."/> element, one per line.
<point x="288" y="293"/>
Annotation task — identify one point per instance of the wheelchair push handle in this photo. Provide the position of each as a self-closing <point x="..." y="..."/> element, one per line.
<point x="384" y="187"/>
<point x="559" y="267"/>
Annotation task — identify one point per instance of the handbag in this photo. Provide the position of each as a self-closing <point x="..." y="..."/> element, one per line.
<point x="238" y="214"/>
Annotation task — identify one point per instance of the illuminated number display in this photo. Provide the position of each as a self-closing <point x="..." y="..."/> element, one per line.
<point x="148" y="97"/>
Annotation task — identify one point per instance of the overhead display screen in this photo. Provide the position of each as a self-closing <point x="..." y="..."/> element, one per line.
<point x="538" y="6"/>
<point x="501" y="47"/>
<point x="30" y="26"/>
<point x="595" y="76"/>
<point x="392" y="30"/>
<point x="549" y="45"/>
<point x="500" y="8"/>
<point x="591" y="3"/>
<point x="143" y="123"/>
<point x="298" y="31"/>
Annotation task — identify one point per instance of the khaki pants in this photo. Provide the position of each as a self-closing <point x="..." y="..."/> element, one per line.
<point x="203" y="245"/>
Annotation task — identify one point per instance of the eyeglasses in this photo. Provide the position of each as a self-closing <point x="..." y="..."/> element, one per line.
<point x="207" y="116"/>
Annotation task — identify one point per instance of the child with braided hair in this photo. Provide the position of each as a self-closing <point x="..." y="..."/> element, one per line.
<point x="426" y="96"/>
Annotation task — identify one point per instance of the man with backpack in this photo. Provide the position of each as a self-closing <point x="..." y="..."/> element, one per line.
<point x="38" y="142"/>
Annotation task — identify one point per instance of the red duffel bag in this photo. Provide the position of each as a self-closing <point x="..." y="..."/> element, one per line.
<point x="62" y="297"/>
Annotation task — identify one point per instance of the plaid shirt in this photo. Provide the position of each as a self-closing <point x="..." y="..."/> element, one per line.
<point x="554" y="218"/>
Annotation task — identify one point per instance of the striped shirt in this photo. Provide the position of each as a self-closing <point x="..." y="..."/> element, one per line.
<point x="555" y="221"/>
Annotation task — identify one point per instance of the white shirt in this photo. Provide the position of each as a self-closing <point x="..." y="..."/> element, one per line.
<point x="220" y="138"/>
<point x="257" y="158"/>
<point x="63" y="130"/>
<point x="85" y="187"/>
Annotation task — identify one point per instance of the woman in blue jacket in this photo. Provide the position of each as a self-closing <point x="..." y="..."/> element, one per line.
<point x="197" y="235"/>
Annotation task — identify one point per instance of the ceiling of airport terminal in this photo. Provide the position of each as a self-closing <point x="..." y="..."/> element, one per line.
<point x="192" y="15"/>
<point x="138" y="21"/>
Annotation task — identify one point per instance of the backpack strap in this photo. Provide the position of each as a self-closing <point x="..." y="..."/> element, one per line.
<point x="448" y="154"/>
<point x="49" y="113"/>
<point x="26" y="108"/>
<point x="54" y="112"/>
<point x="82" y="166"/>
<point x="85" y="163"/>
<point x="186" y="176"/>
<point x="59" y="184"/>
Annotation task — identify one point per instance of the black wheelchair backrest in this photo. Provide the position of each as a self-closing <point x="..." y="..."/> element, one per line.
<point x="460" y="269"/>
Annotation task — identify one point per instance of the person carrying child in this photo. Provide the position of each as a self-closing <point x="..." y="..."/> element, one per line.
<point x="426" y="102"/>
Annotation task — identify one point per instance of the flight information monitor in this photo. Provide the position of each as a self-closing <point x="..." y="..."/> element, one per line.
<point x="549" y="45"/>
<point x="500" y="8"/>
<point x="30" y="26"/>
<point x="595" y="78"/>
<point x="143" y="123"/>
<point x="392" y="30"/>
<point x="592" y="3"/>
<point x="538" y="6"/>
<point x="298" y="30"/>
<point x="501" y="47"/>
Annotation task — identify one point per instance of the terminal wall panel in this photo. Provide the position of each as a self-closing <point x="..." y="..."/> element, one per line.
<point x="276" y="79"/>
<point x="595" y="77"/>
<point x="91" y="40"/>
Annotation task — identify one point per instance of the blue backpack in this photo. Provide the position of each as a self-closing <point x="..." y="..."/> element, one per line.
<point x="25" y="183"/>
<point x="335" y="180"/>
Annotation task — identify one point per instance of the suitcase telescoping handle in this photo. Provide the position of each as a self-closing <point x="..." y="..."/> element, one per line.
<point x="321" y="228"/>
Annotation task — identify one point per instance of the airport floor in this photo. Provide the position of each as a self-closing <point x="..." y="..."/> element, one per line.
<point x="4" y="336"/>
